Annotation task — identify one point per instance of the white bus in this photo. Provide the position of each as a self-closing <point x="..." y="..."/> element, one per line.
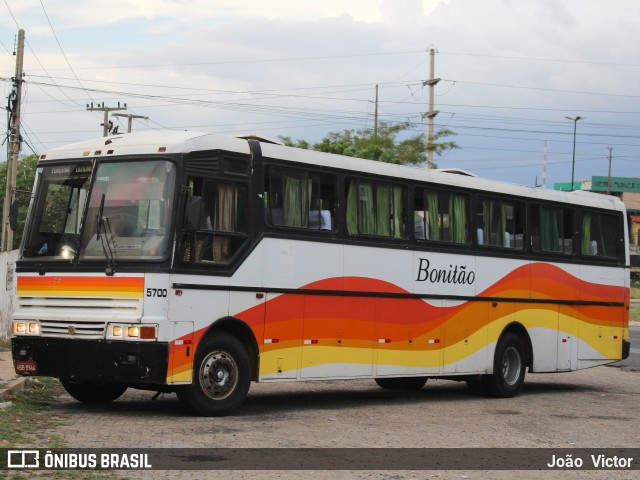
<point x="196" y="264"/>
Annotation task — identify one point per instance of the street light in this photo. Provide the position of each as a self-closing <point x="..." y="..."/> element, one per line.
<point x="573" y="163"/>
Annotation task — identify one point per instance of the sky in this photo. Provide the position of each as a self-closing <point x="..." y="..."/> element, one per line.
<point x="511" y="72"/>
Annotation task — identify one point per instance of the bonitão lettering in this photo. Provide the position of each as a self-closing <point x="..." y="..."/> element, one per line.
<point x="454" y="275"/>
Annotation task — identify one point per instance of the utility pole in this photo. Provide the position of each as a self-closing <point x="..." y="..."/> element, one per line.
<point x="609" y="182"/>
<point x="375" y="117"/>
<point x="431" y="114"/>
<point x="106" y="110"/>
<point x="14" y="144"/>
<point x="130" y="116"/>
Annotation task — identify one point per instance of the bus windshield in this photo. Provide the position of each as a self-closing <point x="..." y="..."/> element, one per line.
<point x="54" y="218"/>
<point x="129" y="211"/>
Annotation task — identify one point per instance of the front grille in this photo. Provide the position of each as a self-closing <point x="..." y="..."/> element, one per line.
<point x="88" y="330"/>
<point x="73" y="317"/>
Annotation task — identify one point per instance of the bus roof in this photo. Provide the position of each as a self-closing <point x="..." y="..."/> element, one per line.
<point x="169" y="141"/>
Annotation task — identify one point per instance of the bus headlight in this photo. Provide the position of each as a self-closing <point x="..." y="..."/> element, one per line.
<point x="119" y="331"/>
<point x="26" y="328"/>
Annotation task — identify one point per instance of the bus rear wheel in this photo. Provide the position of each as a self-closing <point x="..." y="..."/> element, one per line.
<point x="221" y="376"/>
<point x="509" y="368"/>
<point x="93" y="392"/>
<point x="402" y="383"/>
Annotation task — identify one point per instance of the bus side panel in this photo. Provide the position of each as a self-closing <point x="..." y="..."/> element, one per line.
<point x="337" y="339"/>
<point x="408" y="336"/>
<point x="465" y="336"/>
<point x="601" y="328"/>
<point x="282" y="339"/>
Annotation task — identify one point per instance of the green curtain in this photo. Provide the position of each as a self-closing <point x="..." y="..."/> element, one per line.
<point x="459" y="221"/>
<point x="296" y="202"/>
<point x="383" y="210"/>
<point x="586" y="234"/>
<point x="366" y="209"/>
<point x="398" y="212"/>
<point x="433" y="216"/>
<point x="352" y="208"/>
<point x="549" y="225"/>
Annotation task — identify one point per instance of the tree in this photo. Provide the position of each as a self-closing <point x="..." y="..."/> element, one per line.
<point x="383" y="145"/>
<point x="24" y="184"/>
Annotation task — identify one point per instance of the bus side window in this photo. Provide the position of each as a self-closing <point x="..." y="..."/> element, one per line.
<point x="500" y="223"/>
<point x="375" y="208"/>
<point x="300" y="199"/>
<point x="600" y="235"/>
<point x="223" y="222"/>
<point x="441" y="216"/>
<point x="552" y="229"/>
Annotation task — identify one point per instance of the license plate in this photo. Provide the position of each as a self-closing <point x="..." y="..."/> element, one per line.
<point x="26" y="367"/>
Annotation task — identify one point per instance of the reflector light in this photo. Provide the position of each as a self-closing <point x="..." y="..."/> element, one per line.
<point x="148" y="333"/>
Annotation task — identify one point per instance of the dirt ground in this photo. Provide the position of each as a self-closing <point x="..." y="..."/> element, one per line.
<point x="596" y="408"/>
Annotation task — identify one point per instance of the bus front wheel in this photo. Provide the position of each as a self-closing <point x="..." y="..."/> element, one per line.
<point x="509" y="368"/>
<point x="221" y="376"/>
<point x="93" y="392"/>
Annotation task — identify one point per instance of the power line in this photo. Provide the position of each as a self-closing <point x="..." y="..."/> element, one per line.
<point x="61" y="50"/>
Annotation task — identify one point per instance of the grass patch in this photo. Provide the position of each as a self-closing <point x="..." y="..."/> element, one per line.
<point x="29" y="423"/>
<point x="635" y="291"/>
<point x="634" y="313"/>
<point x="29" y="418"/>
<point x="5" y="344"/>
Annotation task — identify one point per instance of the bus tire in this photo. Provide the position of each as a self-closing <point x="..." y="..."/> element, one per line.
<point x="93" y="392"/>
<point x="509" y="367"/>
<point x="221" y="376"/>
<point x="402" y="383"/>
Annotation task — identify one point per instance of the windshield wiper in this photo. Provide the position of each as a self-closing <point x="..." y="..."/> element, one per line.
<point x="102" y="227"/>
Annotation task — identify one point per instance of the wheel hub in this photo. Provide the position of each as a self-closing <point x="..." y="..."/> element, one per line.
<point x="218" y="375"/>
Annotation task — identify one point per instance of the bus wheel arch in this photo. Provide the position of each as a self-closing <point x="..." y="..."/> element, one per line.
<point x="512" y="356"/>
<point x="225" y="363"/>
<point x="244" y="334"/>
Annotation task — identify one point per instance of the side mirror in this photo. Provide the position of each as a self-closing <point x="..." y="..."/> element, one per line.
<point x="13" y="215"/>
<point x="193" y="213"/>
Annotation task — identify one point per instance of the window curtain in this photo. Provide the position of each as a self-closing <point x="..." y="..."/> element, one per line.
<point x="549" y="224"/>
<point x="352" y="208"/>
<point x="398" y="212"/>
<point x="224" y="219"/>
<point x="503" y="225"/>
<point x="296" y="202"/>
<point x="383" y="212"/>
<point x="433" y="216"/>
<point x="487" y="216"/>
<point x="458" y="208"/>
<point x="586" y="234"/>
<point x="225" y="209"/>
<point x="366" y="209"/>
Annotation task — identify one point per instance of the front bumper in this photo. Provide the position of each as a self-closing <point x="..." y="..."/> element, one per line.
<point x="94" y="360"/>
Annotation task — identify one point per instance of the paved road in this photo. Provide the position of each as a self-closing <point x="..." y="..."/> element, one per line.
<point x="595" y="408"/>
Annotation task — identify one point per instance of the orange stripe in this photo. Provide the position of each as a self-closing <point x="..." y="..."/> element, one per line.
<point x="59" y="284"/>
